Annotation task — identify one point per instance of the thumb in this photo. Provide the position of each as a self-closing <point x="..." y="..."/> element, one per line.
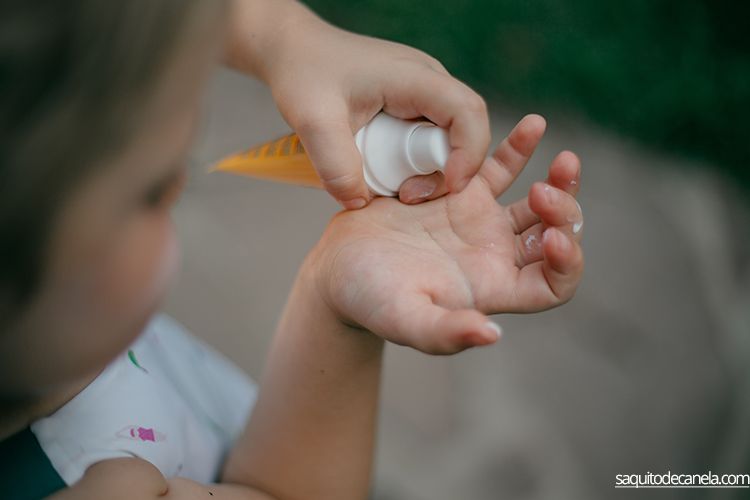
<point x="450" y="332"/>
<point x="330" y="145"/>
<point x="418" y="322"/>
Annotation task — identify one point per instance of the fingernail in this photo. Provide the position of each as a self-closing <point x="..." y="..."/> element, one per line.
<point x="494" y="328"/>
<point x="355" y="204"/>
<point x="423" y="189"/>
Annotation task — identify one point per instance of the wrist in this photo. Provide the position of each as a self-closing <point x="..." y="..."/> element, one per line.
<point x="319" y="392"/>
<point x="313" y="286"/>
<point x="317" y="282"/>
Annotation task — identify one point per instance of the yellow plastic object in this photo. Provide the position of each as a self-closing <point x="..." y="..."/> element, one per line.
<point x="281" y="160"/>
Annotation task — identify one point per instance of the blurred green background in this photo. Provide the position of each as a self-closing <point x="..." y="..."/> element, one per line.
<point x="673" y="74"/>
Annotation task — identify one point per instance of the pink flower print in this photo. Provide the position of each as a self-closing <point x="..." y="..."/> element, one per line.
<point x="144" y="434"/>
<point x="138" y="433"/>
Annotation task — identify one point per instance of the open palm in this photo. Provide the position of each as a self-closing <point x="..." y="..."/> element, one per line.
<point x="426" y="275"/>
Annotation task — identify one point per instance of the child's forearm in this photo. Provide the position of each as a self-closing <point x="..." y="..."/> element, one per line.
<point x="311" y="434"/>
<point x="261" y="30"/>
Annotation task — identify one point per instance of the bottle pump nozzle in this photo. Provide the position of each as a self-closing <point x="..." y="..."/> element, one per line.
<point x="429" y="148"/>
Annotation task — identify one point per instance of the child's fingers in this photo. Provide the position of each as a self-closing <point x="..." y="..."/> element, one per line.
<point x="556" y="208"/>
<point x="565" y="172"/>
<point x="545" y="204"/>
<point x="529" y="242"/>
<point x="427" y="327"/>
<point x="529" y="245"/>
<point x="331" y="148"/>
<point x="552" y="281"/>
<point x="451" y="104"/>
<point x="510" y="157"/>
<point x="440" y="331"/>
<point x="563" y="263"/>
<point x="521" y="216"/>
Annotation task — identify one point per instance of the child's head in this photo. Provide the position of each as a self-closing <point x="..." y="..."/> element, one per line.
<point x="98" y="101"/>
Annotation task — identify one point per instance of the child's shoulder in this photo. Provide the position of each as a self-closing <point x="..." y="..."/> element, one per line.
<point x="168" y="399"/>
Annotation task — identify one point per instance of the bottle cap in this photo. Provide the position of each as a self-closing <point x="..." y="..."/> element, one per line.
<point x="428" y="148"/>
<point x="393" y="150"/>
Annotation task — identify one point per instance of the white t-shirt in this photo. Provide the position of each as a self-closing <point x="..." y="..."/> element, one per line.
<point x="169" y="399"/>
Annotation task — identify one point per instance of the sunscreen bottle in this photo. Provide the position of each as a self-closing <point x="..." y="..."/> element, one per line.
<point x="392" y="151"/>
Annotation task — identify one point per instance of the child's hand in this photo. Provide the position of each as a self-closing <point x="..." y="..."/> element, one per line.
<point x="342" y="80"/>
<point x="328" y="83"/>
<point x="426" y="275"/>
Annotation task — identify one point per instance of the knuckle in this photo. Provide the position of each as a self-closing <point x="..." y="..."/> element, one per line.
<point x="433" y="63"/>
<point x="307" y="122"/>
<point x="476" y="104"/>
<point x="315" y="118"/>
<point x="413" y="54"/>
<point x="341" y="183"/>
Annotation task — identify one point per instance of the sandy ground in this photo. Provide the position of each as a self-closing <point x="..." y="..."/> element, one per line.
<point x="645" y="370"/>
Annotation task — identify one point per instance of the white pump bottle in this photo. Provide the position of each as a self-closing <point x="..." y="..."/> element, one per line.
<point x="393" y="150"/>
